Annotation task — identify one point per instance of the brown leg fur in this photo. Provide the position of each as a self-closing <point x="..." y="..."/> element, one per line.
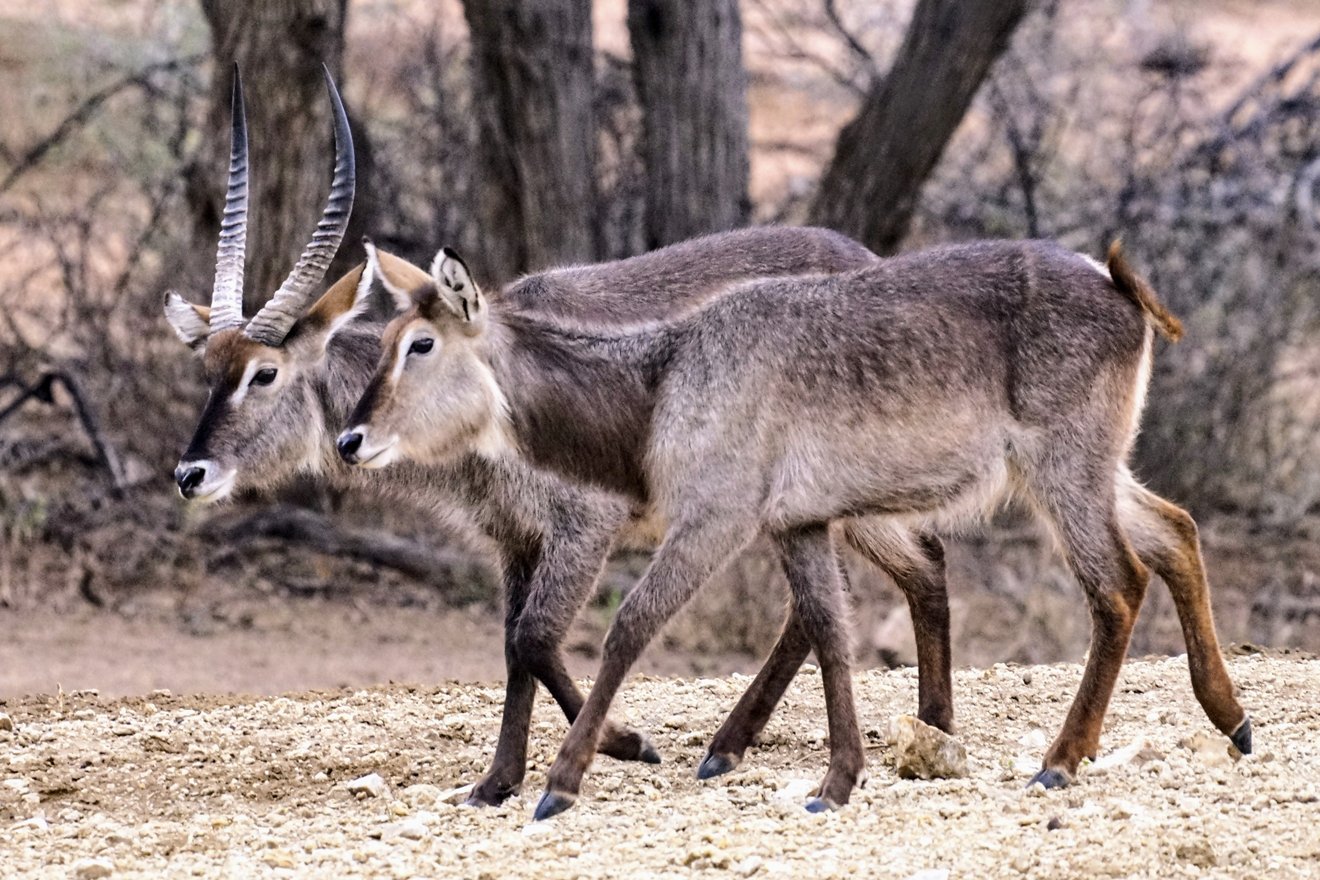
<point x="916" y="563"/>
<point x="1165" y="537"/>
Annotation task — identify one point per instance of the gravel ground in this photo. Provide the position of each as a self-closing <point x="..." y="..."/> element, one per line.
<point x="165" y="785"/>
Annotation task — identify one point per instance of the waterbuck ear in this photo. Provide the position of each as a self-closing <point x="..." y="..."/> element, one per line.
<point x="398" y="276"/>
<point x="339" y="306"/>
<point x="457" y="290"/>
<point x="191" y="323"/>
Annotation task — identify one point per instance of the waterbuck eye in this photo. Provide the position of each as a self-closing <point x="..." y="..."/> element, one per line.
<point x="264" y="376"/>
<point x="421" y="346"/>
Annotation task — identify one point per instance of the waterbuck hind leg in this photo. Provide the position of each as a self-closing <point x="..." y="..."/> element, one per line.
<point x="916" y="564"/>
<point x="1114" y="580"/>
<point x="1165" y="538"/>
<point x="820" y="606"/>
<point x="758" y="703"/>
<point x="690" y="554"/>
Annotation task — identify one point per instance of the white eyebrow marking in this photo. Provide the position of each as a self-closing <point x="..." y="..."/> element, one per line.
<point x="237" y="397"/>
<point x="401" y="354"/>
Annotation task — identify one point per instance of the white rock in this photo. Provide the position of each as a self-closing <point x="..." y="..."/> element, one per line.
<point x="421" y="795"/>
<point x="1034" y="739"/>
<point x="1136" y="753"/>
<point x="748" y="866"/>
<point x="408" y="829"/>
<point x="796" y="790"/>
<point x="456" y="795"/>
<point x="1026" y="764"/>
<point x="532" y="829"/>
<point x="371" y="785"/>
<point x="36" y="823"/>
<point x="931" y="874"/>
<point x="91" y="869"/>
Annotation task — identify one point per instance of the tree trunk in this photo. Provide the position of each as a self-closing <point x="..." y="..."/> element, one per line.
<point x="279" y="46"/>
<point x="687" y="66"/>
<point x="533" y="95"/>
<point x="884" y="155"/>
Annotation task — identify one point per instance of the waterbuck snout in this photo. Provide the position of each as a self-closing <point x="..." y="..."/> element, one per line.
<point x="255" y="426"/>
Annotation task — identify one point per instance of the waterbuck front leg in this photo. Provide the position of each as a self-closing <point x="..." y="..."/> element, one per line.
<point x="819" y="604"/>
<point x="916" y="563"/>
<point x="509" y="766"/>
<point x="546" y="584"/>
<point x="690" y="554"/>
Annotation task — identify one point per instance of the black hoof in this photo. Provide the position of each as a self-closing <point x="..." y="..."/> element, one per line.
<point x="481" y="797"/>
<point x="1050" y="779"/>
<point x="553" y="803"/>
<point x="647" y="753"/>
<point x="715" y="765"/>
<point x="1242" y="736"/>
<point x="820" y="805"/>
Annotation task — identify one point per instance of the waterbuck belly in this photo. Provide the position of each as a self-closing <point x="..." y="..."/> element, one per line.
<point x="949" y="470"/>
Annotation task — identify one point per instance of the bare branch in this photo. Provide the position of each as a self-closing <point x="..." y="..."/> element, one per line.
<point x="85" y="110"/>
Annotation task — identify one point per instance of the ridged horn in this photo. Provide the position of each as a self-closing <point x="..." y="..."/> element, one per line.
<point x="277" y="317"/>
<point x="227" y="293"/>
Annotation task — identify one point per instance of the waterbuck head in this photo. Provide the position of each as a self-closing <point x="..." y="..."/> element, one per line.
<point x="433" y="395"/>
<point x="255" y="424"/>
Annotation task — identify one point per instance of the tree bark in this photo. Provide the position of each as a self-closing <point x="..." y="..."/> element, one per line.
<point x="688" y="70"/>
<point x="885" y="154"/>
<point x="534" y="79"/>
<point x="279" y="46"/>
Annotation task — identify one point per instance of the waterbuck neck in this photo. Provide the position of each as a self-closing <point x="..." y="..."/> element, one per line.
<point x="580" y="401"/>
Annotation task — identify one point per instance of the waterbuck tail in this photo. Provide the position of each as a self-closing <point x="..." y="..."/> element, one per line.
<point x="1137" y="289"/>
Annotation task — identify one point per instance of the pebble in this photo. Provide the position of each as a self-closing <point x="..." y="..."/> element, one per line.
<point x="1136" y="753"/>
<point x="456" y="795"/>
<point x="408" y="829"/>
<point x="92" y="869"/>
<point x="371" y="785"/>
<point x="930" y="874"/>
<point x="6" y="723"/>
<point x="925" y="752"/>
<point x="1211" y="749"/>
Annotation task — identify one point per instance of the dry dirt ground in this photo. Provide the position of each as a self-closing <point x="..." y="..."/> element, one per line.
<point x="167" y="785"/>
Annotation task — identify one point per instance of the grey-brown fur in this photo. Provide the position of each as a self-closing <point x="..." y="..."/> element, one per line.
<point x="924" y="389"/>
<point x="551" y="537"/>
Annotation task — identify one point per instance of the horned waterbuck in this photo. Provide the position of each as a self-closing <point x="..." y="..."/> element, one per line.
<point x="277" y="385"/>
<point x="925" y="388"/>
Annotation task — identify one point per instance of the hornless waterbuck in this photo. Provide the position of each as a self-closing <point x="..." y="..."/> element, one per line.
<point x="925" y="389"/>
<point x="276" y="387"/>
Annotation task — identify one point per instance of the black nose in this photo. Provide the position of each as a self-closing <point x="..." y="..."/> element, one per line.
<point x="348" y="445"/>
<point x="189" y="477"/>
